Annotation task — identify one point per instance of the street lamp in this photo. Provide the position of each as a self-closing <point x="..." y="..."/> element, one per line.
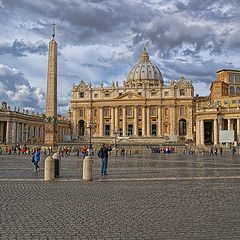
<point x="115" y="140"/>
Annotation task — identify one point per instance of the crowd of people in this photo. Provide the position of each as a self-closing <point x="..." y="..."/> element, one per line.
<point x="24" y="150"/>
<point x="163" y="149"/>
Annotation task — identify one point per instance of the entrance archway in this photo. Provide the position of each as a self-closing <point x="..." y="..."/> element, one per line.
<point x="182" y="128"/>
<point x="208" y="132"/>
<point x="81" y="128"/>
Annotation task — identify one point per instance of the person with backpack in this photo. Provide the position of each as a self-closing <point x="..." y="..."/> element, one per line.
<point x="103" y="154"/>
<point x="36" y="159"/>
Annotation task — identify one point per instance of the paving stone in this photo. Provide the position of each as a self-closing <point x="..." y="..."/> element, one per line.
<point x="143" y="197"/>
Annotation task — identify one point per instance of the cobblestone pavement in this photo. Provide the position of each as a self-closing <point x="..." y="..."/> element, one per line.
<point x="143" y="197"/>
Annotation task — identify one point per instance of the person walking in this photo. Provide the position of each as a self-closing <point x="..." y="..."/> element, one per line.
<point x="36" y="159"/>
<point x="84" y="151"/>
<point x="103" y="154"/>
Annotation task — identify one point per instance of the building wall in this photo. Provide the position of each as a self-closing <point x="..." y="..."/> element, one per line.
<point x="153" y="112"/>
<point x="24" y="128"/>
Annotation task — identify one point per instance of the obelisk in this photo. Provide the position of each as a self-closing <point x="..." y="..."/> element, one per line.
<point x="51" y="95"/>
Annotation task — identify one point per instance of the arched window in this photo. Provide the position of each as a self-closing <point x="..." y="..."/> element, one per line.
<point x="238" y="91"/>
<point x="81" y="128"/>
<point x="81" y="112"/>
<point x="232" y="91"/>
<point x="166" y="111"/>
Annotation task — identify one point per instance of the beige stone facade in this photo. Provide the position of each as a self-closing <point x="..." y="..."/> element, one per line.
<point x="221" y="111"/>
<point x="142" y="108"/>
<point x="22" y="127"/>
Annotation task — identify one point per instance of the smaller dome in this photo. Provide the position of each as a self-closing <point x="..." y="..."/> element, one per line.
<point x="144" y="72"/>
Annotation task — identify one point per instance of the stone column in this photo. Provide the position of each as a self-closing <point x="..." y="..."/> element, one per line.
<point x="159" y="122"/>
<point x="215" y="133"/>
<point x="116" y="120"/>
<point x="229" y="124"/>
<point x="143" y="121"/>
<point x="101" y="122"/>
<point x="112" y="122"/>
<point x="135" y="121"/>
<point x="27" y="129"/>
<point x="17" y="132"/>
<point x="1" y="132"/>
<point x="238" y="129"/>
<point x="198" y="132"/>
<point x="8" y="132"/>
<point x="148" y="121"/>
<point x="173" y="121"/>
<point x="124" y="121"/>
<point x="202" y="132"/>
<point x="14" y="133"/>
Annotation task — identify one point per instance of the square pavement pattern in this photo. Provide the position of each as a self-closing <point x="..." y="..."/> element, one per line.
<point x="152" y="196"/>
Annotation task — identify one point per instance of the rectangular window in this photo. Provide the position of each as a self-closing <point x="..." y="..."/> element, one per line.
<point x="81" y="112"/>
<point x="182" y="92"/>
<point x="231" y="78"/>
<point x="107" y="130"/>
<point x="153" y="94"/>
<point x="107" y="94"/>
<point x="154" y="130"/>
<point x="165" y="94"/>
<point x="95" y="95"/>
<point x="234" y="101"/>
<point x="81" y="94"/>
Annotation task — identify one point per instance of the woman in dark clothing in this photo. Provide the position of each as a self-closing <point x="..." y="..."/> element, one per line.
<point x="103" y="154"/>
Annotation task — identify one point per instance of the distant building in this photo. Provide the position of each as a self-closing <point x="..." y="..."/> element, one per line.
<point x="143" y="107"/>
<point x="221" y="110"/>
<point x="23" y="127"/>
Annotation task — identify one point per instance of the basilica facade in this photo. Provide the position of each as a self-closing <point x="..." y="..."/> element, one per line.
<point x="143" y="107"/>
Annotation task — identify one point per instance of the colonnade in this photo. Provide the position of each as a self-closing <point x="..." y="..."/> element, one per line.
<point x="141" y="119"/>
<point x="217" y="125"/>
<point x="19" y="132"/>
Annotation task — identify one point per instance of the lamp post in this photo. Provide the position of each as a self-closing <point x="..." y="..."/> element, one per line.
<point x="115" y="140"/>
<point x="91" y="124"/>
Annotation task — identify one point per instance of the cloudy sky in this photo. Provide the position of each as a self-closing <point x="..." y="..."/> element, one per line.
<point x="100" y="40"/>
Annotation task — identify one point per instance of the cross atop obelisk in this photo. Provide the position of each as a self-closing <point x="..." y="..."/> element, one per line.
<point x="53" y="30"/>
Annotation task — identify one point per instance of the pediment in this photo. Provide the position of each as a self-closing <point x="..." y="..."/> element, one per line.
<point x="130" y="96"/>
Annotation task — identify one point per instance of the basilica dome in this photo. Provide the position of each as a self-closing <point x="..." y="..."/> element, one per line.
<point x="144" y="73"/>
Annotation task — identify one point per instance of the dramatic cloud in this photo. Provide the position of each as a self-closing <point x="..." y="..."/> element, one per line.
<point x="16" y="90"/>
<point x="21" y="48"/>
<point x="100" y="40"/>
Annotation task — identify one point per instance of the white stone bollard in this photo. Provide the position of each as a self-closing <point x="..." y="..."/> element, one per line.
<point x="87" y="168"/>
<point x="49" y="168"/>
